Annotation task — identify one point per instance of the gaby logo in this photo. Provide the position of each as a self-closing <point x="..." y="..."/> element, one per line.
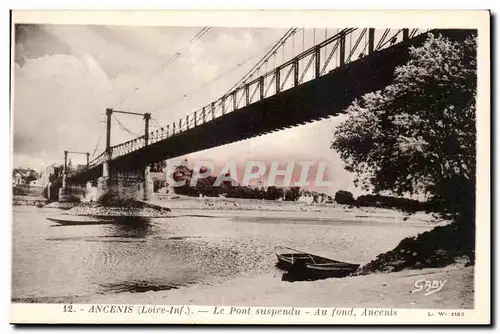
<point x="429" y="287"/>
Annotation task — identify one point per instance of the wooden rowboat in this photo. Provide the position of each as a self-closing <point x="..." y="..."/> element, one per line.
<point x="79" y="220"/>
<point x="310" y="266"/>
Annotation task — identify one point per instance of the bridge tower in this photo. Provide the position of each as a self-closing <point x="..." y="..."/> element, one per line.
<point x="122" y="184"/>
<point x="70" y="191"/>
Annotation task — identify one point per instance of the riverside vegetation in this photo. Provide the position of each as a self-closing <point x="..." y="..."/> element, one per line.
<point x="417" y="136"/>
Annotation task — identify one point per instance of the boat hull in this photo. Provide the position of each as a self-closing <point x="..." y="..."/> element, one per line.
<point x="79" y="220"/>
<point x="305" y="266"/>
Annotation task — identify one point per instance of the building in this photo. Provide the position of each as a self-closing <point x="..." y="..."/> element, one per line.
<point x="158" y="179"/>
<point x="50" y="172"/>
<point x="18" y="179"/>
<point x="37" y="183"/>
<point x="308" y="199"/>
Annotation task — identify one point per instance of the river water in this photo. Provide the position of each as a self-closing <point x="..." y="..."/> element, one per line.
<point x="54" y="263"/>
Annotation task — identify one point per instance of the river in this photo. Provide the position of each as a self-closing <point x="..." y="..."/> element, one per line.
<point x="54" y="264"/>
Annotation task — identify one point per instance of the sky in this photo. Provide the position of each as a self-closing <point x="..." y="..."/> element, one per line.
<point x="65" y="76"/>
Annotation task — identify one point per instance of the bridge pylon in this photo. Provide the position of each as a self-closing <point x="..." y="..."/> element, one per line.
<point x="70" y="191"/>
<point x="116" y="186"/>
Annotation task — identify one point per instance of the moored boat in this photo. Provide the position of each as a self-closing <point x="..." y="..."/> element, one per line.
<point x="79" y="220"/>
<point x="310" y="266"/>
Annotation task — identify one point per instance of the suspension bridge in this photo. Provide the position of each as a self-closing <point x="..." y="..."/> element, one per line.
<point x="306" y="86"/>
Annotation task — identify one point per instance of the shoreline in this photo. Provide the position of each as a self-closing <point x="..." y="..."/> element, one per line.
<point x="290" y="212"/>
<point x="254" y="210"/>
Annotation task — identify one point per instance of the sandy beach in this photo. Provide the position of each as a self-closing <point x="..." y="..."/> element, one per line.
<point x="267" y="289"/>
<point x="376" y="290"/>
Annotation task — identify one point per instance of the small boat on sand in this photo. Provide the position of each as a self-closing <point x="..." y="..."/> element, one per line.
<point x="79" y="220"/>
<point x="310" y="266"/>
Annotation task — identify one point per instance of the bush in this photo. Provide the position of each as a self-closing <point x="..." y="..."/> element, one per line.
<point x="440" y="247"/>
<point x="292" y="194"/>
<point x="344" y="197"/>
<point x="391" y="202"/>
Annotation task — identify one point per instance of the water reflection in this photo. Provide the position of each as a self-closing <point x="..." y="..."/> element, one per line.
<point x="130" y="227"/>
<point x="137" y="286"/>
<point x="303" y="275"/>
<point x="297" y="277"/>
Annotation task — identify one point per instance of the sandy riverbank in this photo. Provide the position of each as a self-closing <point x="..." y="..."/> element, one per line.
<point x="264" y="210"/>
<point x="268" y="289"/>
<point x="376" y="290"/>
<point x="227" y="258"/>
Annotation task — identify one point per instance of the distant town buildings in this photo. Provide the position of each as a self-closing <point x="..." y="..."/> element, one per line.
<point x="50" y="170"/>
<point x="18" y="179"/>
<point x="308" y="199"/>
<point x="23" y="176"/>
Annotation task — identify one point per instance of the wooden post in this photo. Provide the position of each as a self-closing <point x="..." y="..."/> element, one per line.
<point x="342" y="49"/>
<point x="371" y="40"/>
<point x="195" y="121"/>
<point x="247" y="94"/>
<point x="277" y="74"/>
<point x="203" y="115"/>
<point x="261" y="87"/>
<point x="406" y="34"/>
<point x="295" y="72"/>
<point x="147" y="117"/>
<point x="65" y="169"/>
<point x="213" y="110"/>
<point x="234" y="100"/>
<point x="88" y="158"/>
<point x="109" y="111"/>
<point x="65" y="162"/>
<point x="317" y="59"/>
<point x="223" y="101"/>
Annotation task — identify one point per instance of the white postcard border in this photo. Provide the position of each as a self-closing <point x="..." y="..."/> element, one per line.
<point x="53" y="313"/>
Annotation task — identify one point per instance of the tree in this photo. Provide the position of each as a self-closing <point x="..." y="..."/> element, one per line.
<point x="205" y="186"/>
<point x="292" y="193"/>
<point x="417" y="136"/>
<point x="158" y="166"/>
<point x="274" y="193"/>
<point x="344" y="197"/>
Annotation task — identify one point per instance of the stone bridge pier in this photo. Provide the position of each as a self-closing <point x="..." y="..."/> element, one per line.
<point x="117" y="185"/>
<point x="73" y="192"/>
<point x="121" y="186"/>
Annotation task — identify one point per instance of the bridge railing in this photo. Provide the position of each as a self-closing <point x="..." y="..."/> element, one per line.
<point x="346" y="46"/>
<point x="97" y="160"/>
